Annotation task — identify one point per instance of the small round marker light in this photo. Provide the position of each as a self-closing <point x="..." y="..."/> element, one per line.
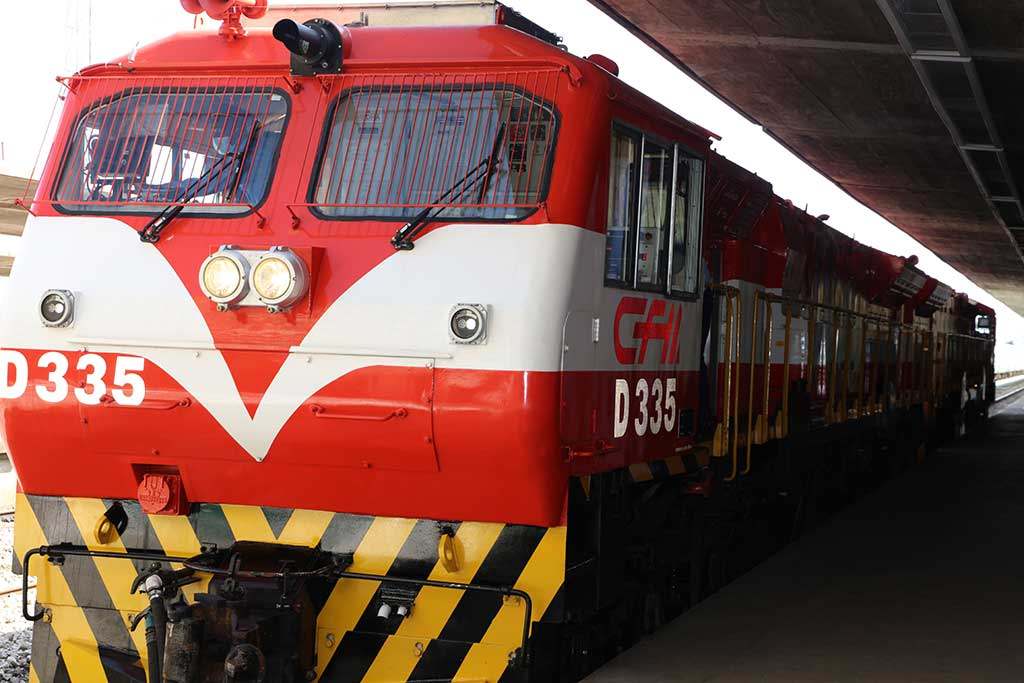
<point x="57" y="308"/>
<point x="467" y="324"/>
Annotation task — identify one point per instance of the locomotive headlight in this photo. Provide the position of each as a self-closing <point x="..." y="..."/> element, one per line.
<point x="272" y="279"/>
<point x="467" y="324"/>
<point x="280" y="278"/>
<point x="57" y="308"/>
<point x="222" y="277"/>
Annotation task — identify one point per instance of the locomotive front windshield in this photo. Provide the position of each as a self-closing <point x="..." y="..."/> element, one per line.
<point x="212" y="149"/>
<point x="472" y="152"/>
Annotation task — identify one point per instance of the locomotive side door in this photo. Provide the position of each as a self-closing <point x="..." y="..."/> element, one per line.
<point x="580" y="384"/>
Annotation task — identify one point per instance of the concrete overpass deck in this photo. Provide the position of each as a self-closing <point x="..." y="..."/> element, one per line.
<point x="920" y="580"/>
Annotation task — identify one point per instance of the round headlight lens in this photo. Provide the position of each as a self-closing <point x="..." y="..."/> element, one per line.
<point x="53" y="308"/>
<point x="222" y="278"/>
<point x="272" y="279"/>
<point x="467" y="323"/>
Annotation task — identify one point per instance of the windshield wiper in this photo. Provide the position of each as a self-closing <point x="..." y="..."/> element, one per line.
<point x="151" y="231"/>
<point x="403" y="237"/>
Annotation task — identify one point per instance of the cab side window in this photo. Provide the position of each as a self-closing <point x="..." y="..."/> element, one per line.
<point x="655" y="217"/>
<point x="687" y="204"/>
<point x="655" y="203"/>
<point x="622" y="206"/>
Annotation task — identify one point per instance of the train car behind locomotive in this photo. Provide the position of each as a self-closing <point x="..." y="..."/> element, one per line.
<point x="343" y="349"/>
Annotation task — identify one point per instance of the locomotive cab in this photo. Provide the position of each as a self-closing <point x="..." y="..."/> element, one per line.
<point x="265" y="266"/>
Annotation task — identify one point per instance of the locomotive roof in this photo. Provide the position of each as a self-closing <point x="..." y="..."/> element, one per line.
<point x="397" y="49"/>
<point x="744" y="198"/>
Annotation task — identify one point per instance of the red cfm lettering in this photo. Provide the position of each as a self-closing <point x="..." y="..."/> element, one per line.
<point x="655" y="325"/>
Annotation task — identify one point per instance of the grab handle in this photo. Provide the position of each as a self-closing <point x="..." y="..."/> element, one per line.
<point x="320" y="411"/>
<point x="108" y="401"/>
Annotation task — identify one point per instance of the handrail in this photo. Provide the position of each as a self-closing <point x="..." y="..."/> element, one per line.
<point x="868" y="406"/>
<point x="782" y="430"/>
<point x="847" y="367"/>
<point x="918" y="364"/>
<point x="769" y="342"/>
<point x="731" y="361"/>
<point x="901" y="351"/>
<point x="750" y="392"/>
<point x="833" y="361"/>
<point x="884" y="394"/>
<point x="735" y="439"/>
<point x="862" y="368"/>
<point x="933" y="363"/>
<point x="945" y="363"/>
<point x="812" y="350"/>
<point x="730" y="332"/>
<point x="727" y="345"/>
<point x="870" y="397"/>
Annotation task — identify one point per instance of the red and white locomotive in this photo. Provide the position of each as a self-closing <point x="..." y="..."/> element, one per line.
<point x="352" y="352"/>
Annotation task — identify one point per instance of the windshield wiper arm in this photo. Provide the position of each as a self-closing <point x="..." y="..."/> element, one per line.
<point x="403" y="237"/>
<point x="151" y="231"/>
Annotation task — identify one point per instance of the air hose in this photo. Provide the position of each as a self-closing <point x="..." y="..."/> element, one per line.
<point x="156" y="627"/>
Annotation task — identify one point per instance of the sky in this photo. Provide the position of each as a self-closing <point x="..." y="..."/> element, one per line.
<point x="97" y="30"/>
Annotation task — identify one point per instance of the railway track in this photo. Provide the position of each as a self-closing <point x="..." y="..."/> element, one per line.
<point x="15" y="587"/>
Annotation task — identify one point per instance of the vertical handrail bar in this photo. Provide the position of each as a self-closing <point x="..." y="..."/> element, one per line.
<point x="847" y="367"/>
<point x="833" y="364"/>
<point x="931" y="364"/>
<point x="863" y="366"/>
<point x="727" y="398"/>
<point x="727" y="347"/>
<point x="750" y="389"/>
<point x="766" y="354"/>
<point x="812" y="352"/>
<point x="737" y="329"/>
<point x="784" y="429"/>
<point x="915" y="366"/>
<point x="872" y="380"/>
<point x="731" y="360"/>
<point x="884" y="394"/>
<point x="906" y="357"/>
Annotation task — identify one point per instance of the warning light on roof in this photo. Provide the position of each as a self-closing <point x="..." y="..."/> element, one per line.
<point x="229" y="12"/>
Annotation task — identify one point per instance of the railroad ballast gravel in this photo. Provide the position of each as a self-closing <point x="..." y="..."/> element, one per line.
<point x="15" y="632"/>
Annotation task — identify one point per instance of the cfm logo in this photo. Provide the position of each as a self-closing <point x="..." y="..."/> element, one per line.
<point x="648" y="320"/>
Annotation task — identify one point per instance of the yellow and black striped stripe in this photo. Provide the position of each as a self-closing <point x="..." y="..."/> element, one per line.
<point x="685" y="462"/>
<point x="450" y="635"/>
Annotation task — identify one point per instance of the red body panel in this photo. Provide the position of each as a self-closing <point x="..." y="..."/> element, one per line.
<point x="444" y="460"/>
